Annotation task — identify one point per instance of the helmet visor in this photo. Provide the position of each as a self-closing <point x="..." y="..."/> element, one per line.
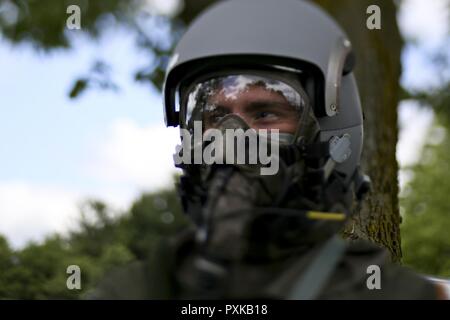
<point x="262" y="102"/>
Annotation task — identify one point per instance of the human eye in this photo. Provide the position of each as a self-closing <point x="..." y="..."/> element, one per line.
<point x="266" y="115"/>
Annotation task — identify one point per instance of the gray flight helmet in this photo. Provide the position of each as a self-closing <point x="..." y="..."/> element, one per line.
<point x="289" y="34"/>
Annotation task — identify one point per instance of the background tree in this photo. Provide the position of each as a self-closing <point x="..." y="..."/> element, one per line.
<point x="426" y="241"/>
<point x="100" y="244"/>
<point x="101" y="241"/>
<point x="425" y="236"/>
<point x="377" y="72"/>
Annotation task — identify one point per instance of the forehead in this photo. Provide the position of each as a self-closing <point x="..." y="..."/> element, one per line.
<point x="252" y="92"/>
<point x="246" y="87"/>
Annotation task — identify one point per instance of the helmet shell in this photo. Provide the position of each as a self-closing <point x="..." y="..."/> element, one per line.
<point x="288" y="33"/>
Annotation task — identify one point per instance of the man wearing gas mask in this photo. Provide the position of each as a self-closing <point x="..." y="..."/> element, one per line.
<point x="281" y="73"/>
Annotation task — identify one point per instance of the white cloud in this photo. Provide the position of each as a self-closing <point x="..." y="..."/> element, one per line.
<point x="29" y="212"/>
<point x="135" y="156"/>
<point x="131" y="160"/>
<point x="164" y="7"/>
<point x="425" y="21"/>
<point x="427" y="24"/>
<point x="414" y="123"/>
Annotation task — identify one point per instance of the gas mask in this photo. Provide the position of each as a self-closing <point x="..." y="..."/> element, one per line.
<point x="254" y="183"/>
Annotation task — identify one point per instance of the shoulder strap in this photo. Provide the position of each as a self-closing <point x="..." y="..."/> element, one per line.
<point x="318" y="272"/>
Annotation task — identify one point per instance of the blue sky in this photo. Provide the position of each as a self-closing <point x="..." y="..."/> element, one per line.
<point x="104" y="144"/>
<point x="56" y="152"/>
<point x="37" y="113"/>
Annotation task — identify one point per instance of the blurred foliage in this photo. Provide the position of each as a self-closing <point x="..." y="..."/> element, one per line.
<point x="102" y="241"/>
<point x="425" y="237"/>
<point x="426" y="205"/>
<point x="425" y="200"/>
<point x="438" y="99"/>
<point x="39" y="270"/>
<point x="42" y="23"/>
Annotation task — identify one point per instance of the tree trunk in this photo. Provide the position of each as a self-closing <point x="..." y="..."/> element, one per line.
<point x="377" y="72"/>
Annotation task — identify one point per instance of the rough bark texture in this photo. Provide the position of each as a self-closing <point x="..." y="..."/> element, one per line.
<point x="377" y="71"/>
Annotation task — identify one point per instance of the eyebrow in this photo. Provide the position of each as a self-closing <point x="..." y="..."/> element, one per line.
<point x="261" y="104"/>
<point x="256" y="105"/>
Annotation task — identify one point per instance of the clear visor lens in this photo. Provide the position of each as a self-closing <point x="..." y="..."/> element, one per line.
<point x="262" y="102"/>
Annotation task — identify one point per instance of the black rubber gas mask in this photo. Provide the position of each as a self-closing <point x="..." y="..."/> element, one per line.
<point x="244" y="139"/>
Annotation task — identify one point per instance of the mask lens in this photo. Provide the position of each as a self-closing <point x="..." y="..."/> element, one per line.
<point x="262" y="102"/>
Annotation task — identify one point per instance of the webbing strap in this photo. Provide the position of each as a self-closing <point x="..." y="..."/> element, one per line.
<point x="319" y="271"/>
